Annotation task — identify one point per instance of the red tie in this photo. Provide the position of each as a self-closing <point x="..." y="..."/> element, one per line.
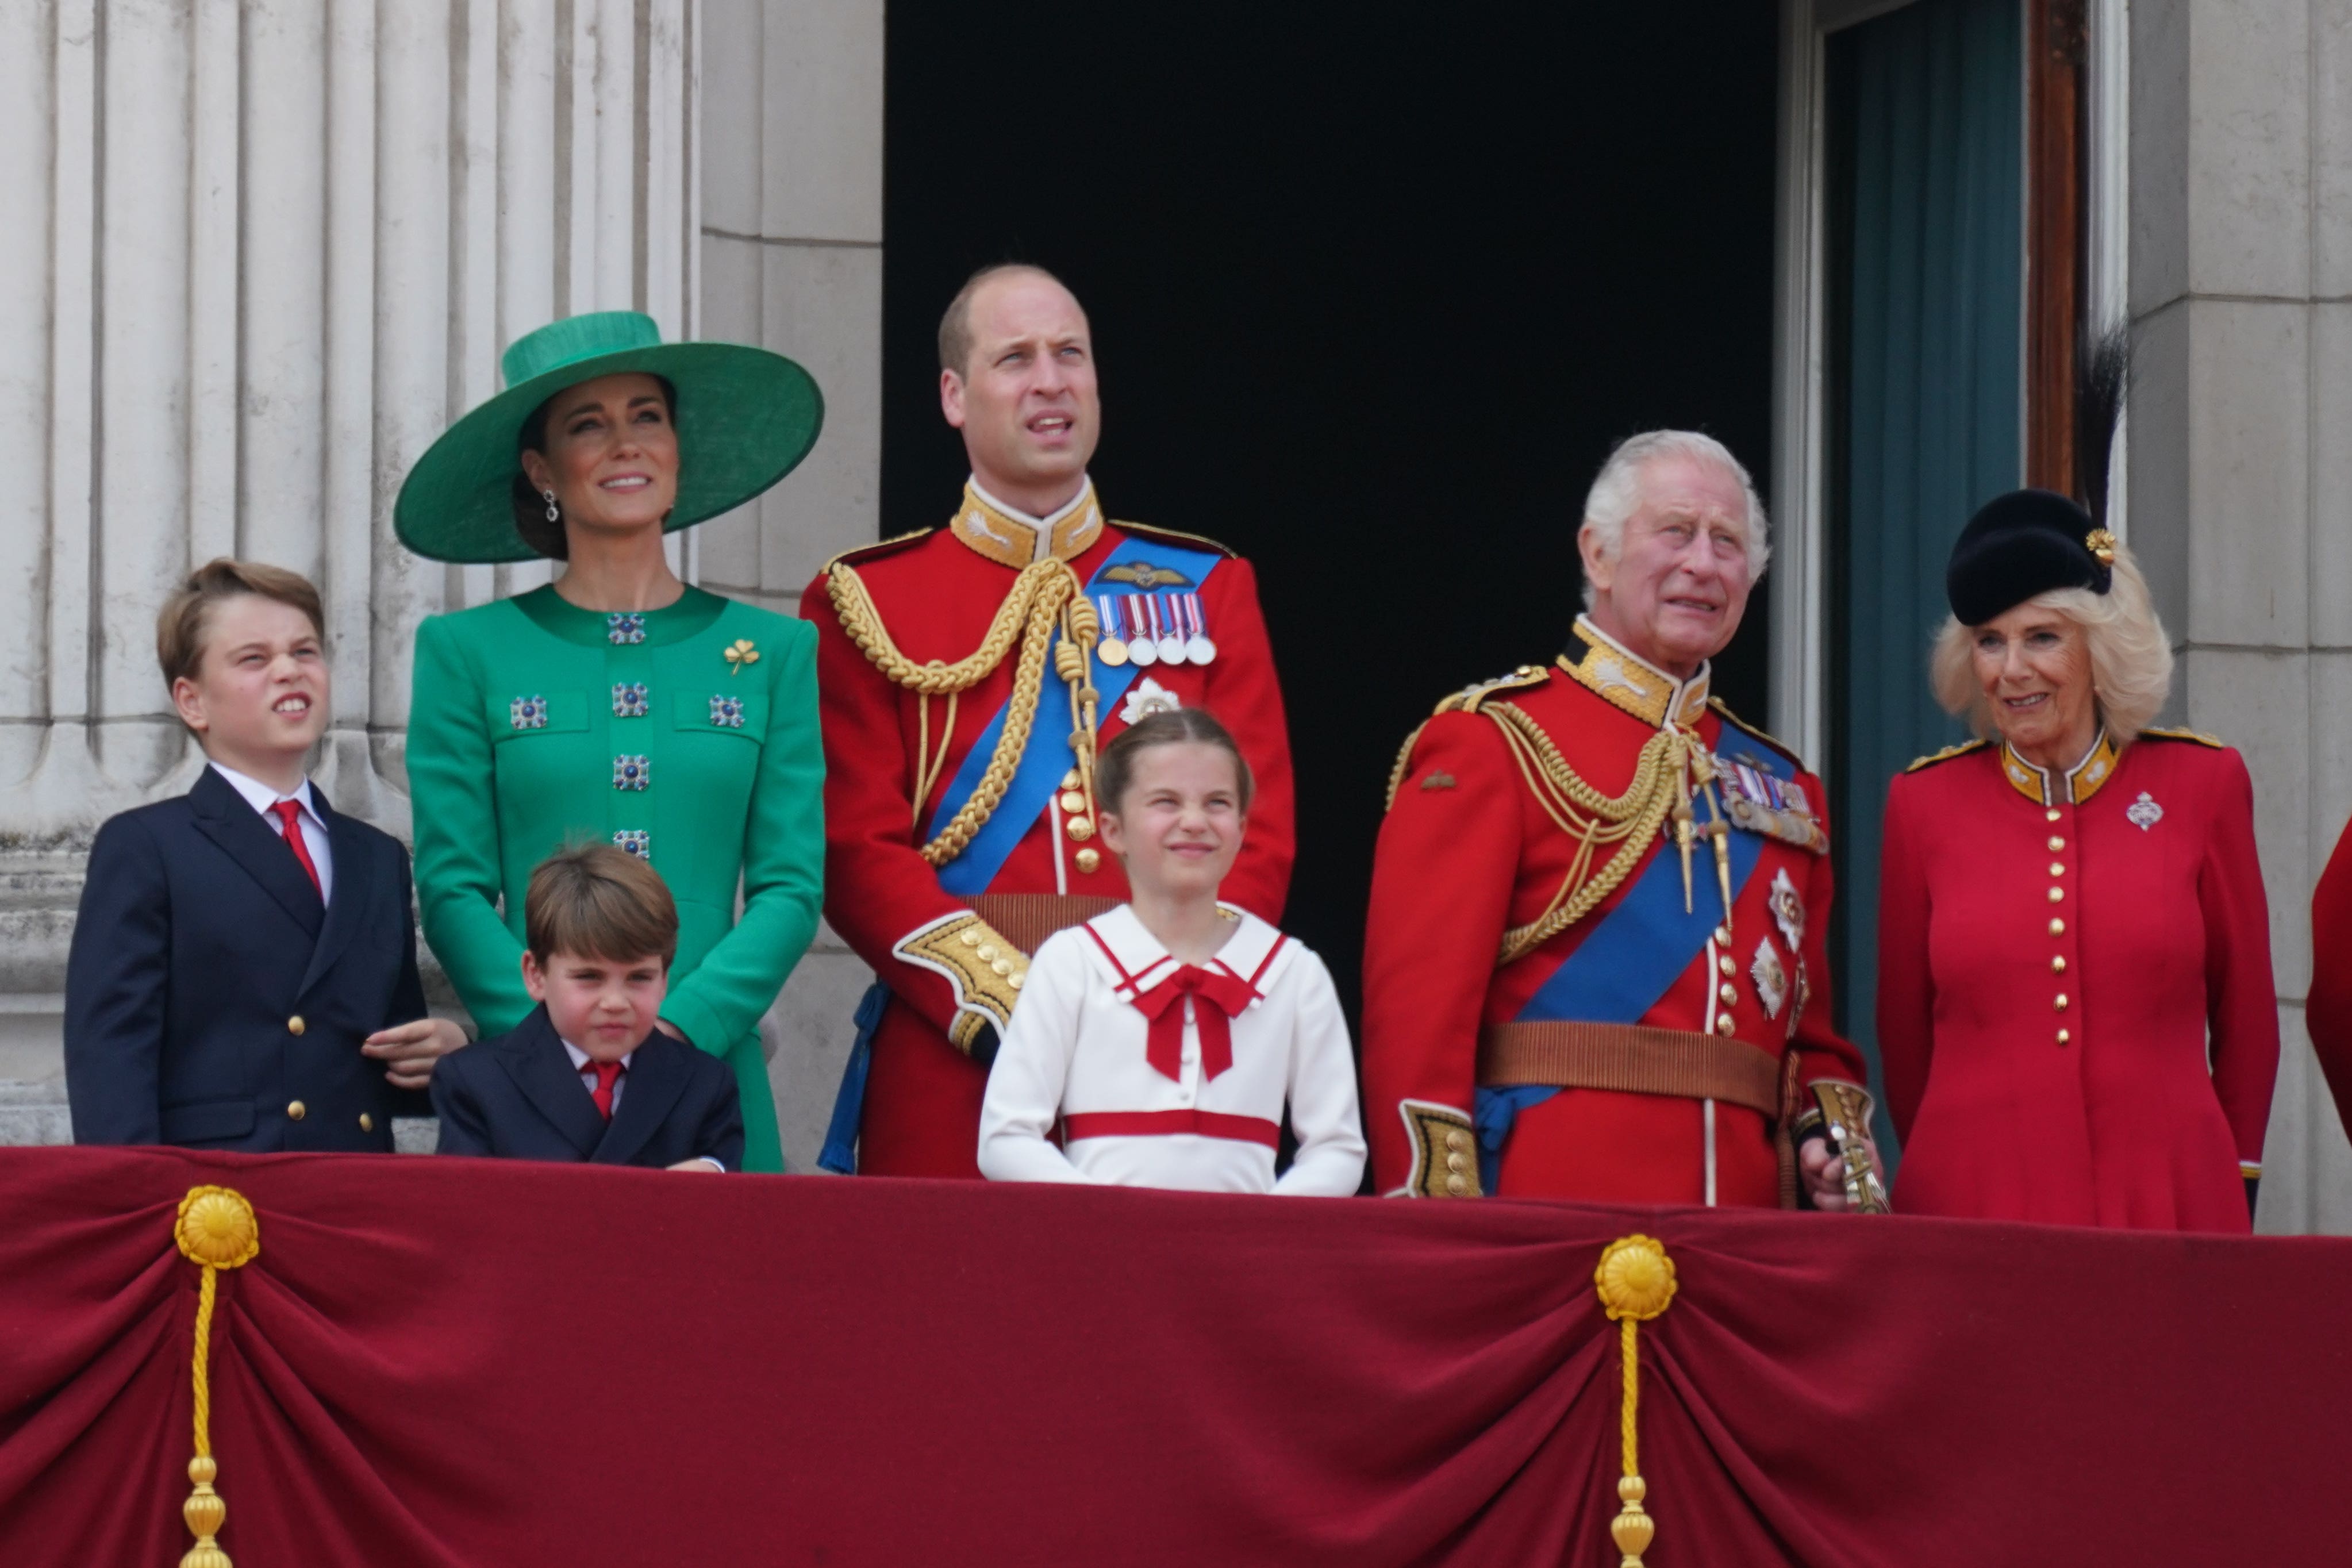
<point x="607" y="1075"/>
<point x="1218" y="997"/>
<point x="290" y="813"/>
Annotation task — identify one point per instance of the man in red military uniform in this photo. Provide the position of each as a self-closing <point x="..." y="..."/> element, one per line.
<point x="969" y="674"/>
<point x="1596" y="963"/>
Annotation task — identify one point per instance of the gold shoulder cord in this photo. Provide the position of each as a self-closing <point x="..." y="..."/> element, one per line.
<point x="1045" y="597"/>
<point x="1594" y="820"/>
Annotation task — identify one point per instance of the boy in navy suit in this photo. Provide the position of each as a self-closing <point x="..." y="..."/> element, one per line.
<point x="242" y="972"/>
<point x="591" y="1076"/>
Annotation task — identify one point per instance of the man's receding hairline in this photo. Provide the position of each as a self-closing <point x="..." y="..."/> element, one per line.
<point x="955" y="327"/>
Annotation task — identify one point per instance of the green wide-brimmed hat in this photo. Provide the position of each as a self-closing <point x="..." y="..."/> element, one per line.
<point x="745" y="419"/>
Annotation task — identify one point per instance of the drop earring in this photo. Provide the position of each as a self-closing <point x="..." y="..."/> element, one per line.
<point x="554" y="512"/>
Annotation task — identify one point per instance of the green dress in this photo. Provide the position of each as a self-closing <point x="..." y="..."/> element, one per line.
<point x="536" y="723"/>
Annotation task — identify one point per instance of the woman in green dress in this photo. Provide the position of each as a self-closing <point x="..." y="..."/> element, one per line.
<point x="618" y="703"/>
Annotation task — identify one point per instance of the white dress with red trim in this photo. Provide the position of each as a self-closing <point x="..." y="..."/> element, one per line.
<point x="1157" y="1073"/>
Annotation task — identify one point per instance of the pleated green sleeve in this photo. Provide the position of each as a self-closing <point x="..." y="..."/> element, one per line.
<point x="452" y="791"/>
<point x="784" y="859"/>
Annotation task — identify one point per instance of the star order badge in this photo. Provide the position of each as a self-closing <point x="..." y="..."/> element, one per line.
<point x="1772" y="980"/>
<point x="2144" y="813"/>
<point x="1788" y="911"/>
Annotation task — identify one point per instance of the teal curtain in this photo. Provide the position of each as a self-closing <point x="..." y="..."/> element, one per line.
<point x="1926" y="231"/>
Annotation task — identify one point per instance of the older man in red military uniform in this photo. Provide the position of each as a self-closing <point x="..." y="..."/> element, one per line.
<point x="1596" y="964"/>
<point x="969" y="674"/>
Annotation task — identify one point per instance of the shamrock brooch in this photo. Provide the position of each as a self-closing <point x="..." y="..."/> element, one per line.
<point x="740" y="653"/>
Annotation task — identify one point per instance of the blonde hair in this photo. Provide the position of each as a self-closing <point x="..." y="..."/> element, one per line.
<point x="2131" y="658"/>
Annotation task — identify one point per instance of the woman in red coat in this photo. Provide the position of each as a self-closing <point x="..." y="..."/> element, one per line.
<point x="2071" y="913"/>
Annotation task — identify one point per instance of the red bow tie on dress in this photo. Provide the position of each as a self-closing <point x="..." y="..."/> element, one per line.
<point x="1220" y="997"/>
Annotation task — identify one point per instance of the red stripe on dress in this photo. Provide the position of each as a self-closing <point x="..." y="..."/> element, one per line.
<point x="1170" y="1124"/>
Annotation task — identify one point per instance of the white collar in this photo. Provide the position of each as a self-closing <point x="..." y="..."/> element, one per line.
<point x="582" y="1061"/>
<point x="261" y="797"/>
<point x="1131" y="959"/>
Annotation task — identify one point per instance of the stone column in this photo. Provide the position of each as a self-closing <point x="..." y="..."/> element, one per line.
<point x="2240" y="458"/>
<point x="791" y="259"/>
<point x="257" y="257"/>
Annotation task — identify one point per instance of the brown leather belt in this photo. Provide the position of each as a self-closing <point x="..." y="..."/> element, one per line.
<point x="1027" y="919"/>
<point x="1632" y="1058"/>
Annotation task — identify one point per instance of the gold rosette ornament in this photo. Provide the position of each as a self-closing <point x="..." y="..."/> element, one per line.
<point x="217" y="1229"/>
<point x="1636" y="1281"/>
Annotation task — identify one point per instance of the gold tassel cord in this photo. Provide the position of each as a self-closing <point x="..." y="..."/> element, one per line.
<point x="217" y="1229"/>
<point x="1038" y="605"/>
<point x="1594" y="819"/>
<point x="1636" y="1282"/>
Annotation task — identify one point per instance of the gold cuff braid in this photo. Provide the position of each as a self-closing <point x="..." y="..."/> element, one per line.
<point x="1044" y="597"/>
<point x="1444" y="1152"/>
<point x="985" y="969"/>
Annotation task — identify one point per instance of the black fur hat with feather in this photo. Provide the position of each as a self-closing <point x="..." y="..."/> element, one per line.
<point x="2030" y="542"/>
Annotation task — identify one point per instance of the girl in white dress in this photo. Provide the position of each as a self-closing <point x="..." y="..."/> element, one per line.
<point x="1165" y="1035"/>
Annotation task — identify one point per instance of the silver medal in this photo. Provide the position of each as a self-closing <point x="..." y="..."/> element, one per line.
<point x="1172" y="646"/>
<point x="1198" y="646"/>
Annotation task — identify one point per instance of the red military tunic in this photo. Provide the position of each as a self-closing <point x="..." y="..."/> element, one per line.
<point x="952" y="945"/>
<point x="2055" y="954"/>
<point x="1472" y="849"/>
<point x="2329" y="1010"/>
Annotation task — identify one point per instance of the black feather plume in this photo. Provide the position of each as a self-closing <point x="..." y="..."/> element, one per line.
<point x="2102" y="381"/>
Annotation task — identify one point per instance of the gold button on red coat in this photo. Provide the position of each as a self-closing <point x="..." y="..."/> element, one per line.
<point x="1088" y="859"/>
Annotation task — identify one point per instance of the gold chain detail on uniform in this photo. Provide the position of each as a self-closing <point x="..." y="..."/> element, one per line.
<point x="1045" y="597"/>
<point x="1592" y="818"/>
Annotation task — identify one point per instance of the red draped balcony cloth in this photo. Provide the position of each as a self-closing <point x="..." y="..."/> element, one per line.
<point x="444" y="1362"/>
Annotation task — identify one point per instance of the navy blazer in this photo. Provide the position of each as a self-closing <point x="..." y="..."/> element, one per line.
<point x="212" y="1002"/>
<point x="516" y="1097"/>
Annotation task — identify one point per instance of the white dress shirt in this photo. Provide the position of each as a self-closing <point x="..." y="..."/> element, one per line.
<point x="585" y="1066"/>
<point x="1076" y="1047"/>
<point x="261" y="797"/>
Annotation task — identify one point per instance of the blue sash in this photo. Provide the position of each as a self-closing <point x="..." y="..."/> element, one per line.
<point x="1623" y="969"/>
<point x="1046" y="757"/>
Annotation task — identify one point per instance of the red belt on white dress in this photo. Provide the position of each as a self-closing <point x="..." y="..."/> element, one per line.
<point x="1170" y="1124"/>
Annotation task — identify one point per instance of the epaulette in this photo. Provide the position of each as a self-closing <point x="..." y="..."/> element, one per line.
<point x="1467" y="700"/>
<point x="2172" y="733"/>
<point x="1175" y="536"/>
<point x="1750" y="730"/>
<point x="863" y="553"/>
<point x="1945" y="755"/>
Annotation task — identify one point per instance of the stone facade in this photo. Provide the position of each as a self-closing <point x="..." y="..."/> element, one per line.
<point x="2240" y="458"/>
<point x="261" y="254"/>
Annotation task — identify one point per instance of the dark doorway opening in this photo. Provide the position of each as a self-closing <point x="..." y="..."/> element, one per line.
<point x="1374" y="291"/>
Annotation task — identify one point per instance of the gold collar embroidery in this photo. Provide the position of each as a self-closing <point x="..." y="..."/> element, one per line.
<point x="2079" y="784"/>
<point x="1019" y="540"/>
<point x="1626" y="681"/>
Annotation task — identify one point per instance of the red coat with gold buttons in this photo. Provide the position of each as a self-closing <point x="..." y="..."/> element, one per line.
<point x="892" y="753"/>
<point x="1470" y="851"/>
<point x="2054" y="952"/>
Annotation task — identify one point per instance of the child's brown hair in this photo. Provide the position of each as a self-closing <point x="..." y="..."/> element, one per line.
<point x="179" y="628"/>
<point x="1169" y="726"/>
<point x="596" y="900"/>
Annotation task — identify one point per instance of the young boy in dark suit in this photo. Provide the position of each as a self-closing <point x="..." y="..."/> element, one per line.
<point x="591" y="1076"/>
<point x="242" y="972"/>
